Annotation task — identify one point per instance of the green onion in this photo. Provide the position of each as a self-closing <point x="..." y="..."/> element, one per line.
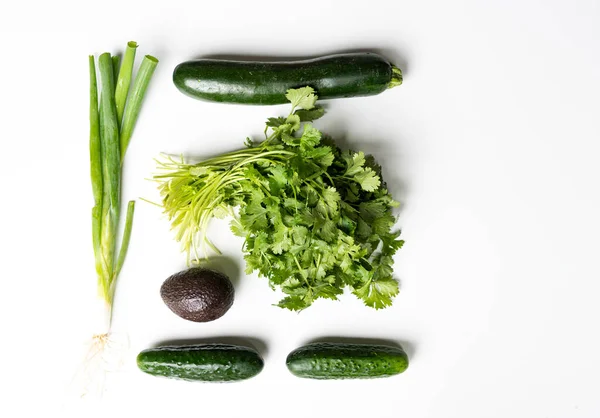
<point x="111" y="172"/>
<point x="126" y="236"/>
<point x="106" y="158"/>
<point x="95" y="165"/>
<point x="116" y="65"/>
<point x="124" y="79"/>
<point x="134" y="103"/>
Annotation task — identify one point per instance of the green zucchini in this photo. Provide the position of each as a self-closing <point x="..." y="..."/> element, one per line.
<point x="265" y="83"/>
<point x="346" y="361"/>
<point x="201" y="362"/>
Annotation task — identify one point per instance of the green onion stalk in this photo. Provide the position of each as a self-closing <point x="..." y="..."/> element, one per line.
<point x="115" y="103"/>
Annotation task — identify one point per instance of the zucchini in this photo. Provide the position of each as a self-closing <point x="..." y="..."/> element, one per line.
<point x="201" y="362"/>
<point x="346" y="361"/>
<point x="265" y="83"/>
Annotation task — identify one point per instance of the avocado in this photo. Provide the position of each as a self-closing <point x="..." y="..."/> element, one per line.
<point x="198" y="294"/>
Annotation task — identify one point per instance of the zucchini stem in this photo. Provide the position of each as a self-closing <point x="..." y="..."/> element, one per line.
<point x="396" y="77"/>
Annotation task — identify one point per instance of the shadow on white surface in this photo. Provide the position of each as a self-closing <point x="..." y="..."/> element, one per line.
<point x="229" y="266"/>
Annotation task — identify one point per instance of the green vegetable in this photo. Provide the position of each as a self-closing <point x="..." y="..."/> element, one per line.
<point x="106" y="158"/>
<point x="315" y="219"/>
<point x="134" y="104"/>
<point x="251" y="82"/>
<point x="346" y="361"/>
<point x="116" y="65"/>
<point x="205" y="362"/>
<point x="124" y="79"/>
<point x="111" y="171"/>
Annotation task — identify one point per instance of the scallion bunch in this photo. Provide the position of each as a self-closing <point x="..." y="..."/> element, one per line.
<point x="115" y="101"/>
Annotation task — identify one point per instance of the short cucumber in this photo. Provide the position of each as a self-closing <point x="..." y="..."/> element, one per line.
<point x="203" y="362"/>
<point x="346" y="361"/>
<point x="265" y="83"/>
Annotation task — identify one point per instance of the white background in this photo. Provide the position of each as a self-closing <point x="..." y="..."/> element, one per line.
<point x="491" y="145"/>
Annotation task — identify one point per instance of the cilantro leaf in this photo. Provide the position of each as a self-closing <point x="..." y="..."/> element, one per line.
<point x="326" y="230"/>
<point x="391" y="243"/>
<point x="378" y="294"/>
<point x="253" y="216"/>
<point x="368" y="180"/>
<point x="281" y="241"/>
<point x="275" y="122"/>
<point x="299" y="234"/>
<point x="293" y="303"/>
<point x="278" y="179"/>
<point x="237" y="229"/>
<point x="331" y="198"/>
<point x="310" y="137"/>
<point x="294" y="122"/>
<point x="354" y="162"/>
<point x="372" y="210"/>
<point x="328" y="291"/>
<point x="321" y="155"/>
<point x="303" y="98"/>
<point x="288" y="139"/>
<point x="310" y="115"/>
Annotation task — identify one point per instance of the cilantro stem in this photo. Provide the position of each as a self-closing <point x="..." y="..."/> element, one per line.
<point x="300" y="269"/>
<point x="212" y="246"/>
<point x="242" y="155"/>
<point x="226" y="158"/>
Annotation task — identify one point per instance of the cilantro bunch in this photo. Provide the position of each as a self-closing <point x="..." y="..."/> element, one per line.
<point x="315" y="219"/>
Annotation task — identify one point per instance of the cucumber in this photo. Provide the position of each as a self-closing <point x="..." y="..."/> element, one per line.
<point x="201" y="362"/>
<point x="346" y="361"/>
<point x="265" y="83"/>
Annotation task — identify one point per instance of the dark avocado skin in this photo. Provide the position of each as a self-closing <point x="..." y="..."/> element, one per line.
<point x="202" y="362"/>
<point x="346" y="361"/>
<point x="198" y="294"/>
<point x="265" y="83"/>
